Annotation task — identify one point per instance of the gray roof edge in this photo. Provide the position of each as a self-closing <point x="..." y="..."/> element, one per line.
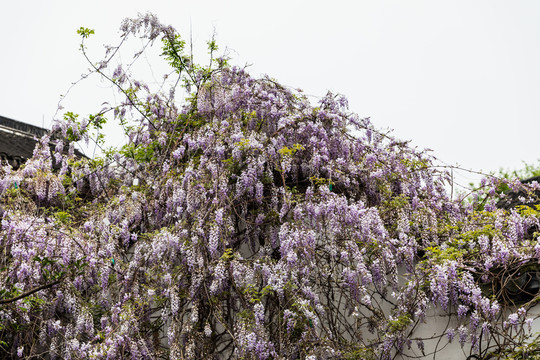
<point x="22" y="127"/>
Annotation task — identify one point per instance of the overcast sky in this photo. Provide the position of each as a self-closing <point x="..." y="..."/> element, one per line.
<point x="459" y="77"/>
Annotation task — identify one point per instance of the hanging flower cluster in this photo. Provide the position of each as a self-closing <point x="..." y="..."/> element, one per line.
<point x="248" y="223"/>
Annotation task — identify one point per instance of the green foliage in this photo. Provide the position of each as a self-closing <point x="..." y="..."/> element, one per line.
<point x="63" y="217"/>
<point x="233" y="165"/>
<point x="243" y="144"/>
<point x="70" y="116"/>
<point x="396" y="202"/>
<point x="461" y="244"/>
<point x="12" y="292"/>
<point x="141" y="154"/>
<point x="173" y="51"/>
<point x="399" y="324"/>
<point x="85" y="32"/>
<point x="255" y="294"/>
<point x="289" y="152"/>
<point x="97" y="121"/>
<point x="529" y="210"/>
<point x="320" y="181"/>
<point x="364" y="353"/>
<point x="228" y="254"/>
<point x="212" y="46"/>
<point x="527" y="171"/>
<point x="526" y="351"/>
<point x="415" y="164"/>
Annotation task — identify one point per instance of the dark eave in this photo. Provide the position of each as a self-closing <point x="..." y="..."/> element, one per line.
<point x="21" y="127"/>
<point x="18" y="141"/>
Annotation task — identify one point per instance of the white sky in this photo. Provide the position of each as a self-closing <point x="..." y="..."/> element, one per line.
<point x="461" y="77"/>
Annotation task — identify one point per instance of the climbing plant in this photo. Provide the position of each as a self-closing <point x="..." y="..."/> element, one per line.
<point x="242" y="221"/>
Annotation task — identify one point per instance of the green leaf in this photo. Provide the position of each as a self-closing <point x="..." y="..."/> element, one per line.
<point x="85" y="32"/>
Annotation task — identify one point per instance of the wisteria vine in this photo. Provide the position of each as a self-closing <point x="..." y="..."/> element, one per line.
<point x="244" y="222"/>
